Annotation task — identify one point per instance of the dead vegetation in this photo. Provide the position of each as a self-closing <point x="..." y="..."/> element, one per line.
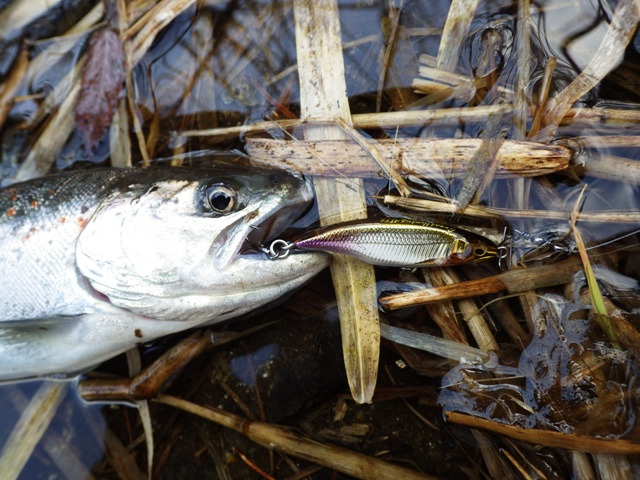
<point x="510" y="135"/>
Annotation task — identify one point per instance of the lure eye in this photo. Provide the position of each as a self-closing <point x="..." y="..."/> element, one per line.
<point x="221" y="199"/>
<point x="480" y="251"/>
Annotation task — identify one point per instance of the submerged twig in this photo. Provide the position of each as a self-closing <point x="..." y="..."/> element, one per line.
<point x="513" y="281"/>
<point x="547" y="438"/>
<point x="284" y="440"/>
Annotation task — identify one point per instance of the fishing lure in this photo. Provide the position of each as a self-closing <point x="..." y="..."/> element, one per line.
<point x="394" y="242"/>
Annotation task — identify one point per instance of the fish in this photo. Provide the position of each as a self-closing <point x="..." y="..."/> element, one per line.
<point x="95" y="262"/>
<point x="394" y="242"/>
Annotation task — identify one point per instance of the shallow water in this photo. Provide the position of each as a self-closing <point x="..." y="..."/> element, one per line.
<point x="234" y="63"/>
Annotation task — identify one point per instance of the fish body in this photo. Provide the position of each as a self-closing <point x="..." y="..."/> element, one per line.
<point x="400" y="243"/>
<point x="94" y="262"/>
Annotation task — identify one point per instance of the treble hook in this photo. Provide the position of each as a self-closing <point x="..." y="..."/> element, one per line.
<point x="504" y="251"/>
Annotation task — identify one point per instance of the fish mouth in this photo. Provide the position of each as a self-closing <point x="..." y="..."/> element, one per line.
<point x="249" y="234"/>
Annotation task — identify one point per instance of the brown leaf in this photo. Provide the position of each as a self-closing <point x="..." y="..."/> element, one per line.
<point x="102" y="79"/>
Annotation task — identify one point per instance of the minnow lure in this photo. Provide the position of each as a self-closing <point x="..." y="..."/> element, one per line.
<point x="394" y="242"/>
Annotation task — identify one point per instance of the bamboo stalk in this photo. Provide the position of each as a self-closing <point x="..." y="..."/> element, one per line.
<point x="481" y="211"/>
<point x="284" y="440"/>
<point x="407" y="156"/>
<point x="514" y="281"/>
<point x="546" y="438"/>
<point x="323" y="94"/>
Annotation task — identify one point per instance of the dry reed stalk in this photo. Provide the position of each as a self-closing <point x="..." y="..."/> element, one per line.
<point x="11" y="83"/>
<point x="63" y="44"/>
<point x="376" y="154"/>
<point x="33" y="422"/>
<point x="407" y="156"/>
<point x="612" y="466"/>
<point x="432" y="80"/>
<point x="609" y="54"/>
<point x="493" y="461"/>
<point x="514" y="281"/>
<point x="365" y="120"/>
<point x="286" y="441"/>
<point x="602" y="141"/>
<point x="484" y="164"/>
<point x="20" y="13"/>
<point x="323" y="94"/>
<point x="543" y="97"/>
<point x="601" y="116"/>
<point x="547" y="438"/>
<point x="461" y="13"/>
<point x="581" y="466"/>
<point x="578" y="116"/>
<point x="51" y="140"/>
<point x="56" y="445"/>
<point x="612" y="167"/>
<point x="443" y="313"/>
<point x="505" y="316"/>
<point x="119" y="137"/>
<point x="523" y="34"/>
<point x="481" y="211"/>
<point x="470" y="314"/>
<point x="516" y="464"/>
<point x="394" y="14"/>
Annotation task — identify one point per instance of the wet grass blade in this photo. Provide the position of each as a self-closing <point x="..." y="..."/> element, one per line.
<point x="594" y="289"/>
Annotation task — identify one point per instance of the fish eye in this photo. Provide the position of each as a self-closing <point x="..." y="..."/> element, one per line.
<point x="221" y="198"/>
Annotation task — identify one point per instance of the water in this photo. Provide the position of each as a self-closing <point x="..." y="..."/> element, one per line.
<point x="234" y="63"/>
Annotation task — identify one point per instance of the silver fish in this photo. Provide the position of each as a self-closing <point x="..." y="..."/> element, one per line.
<point x="94" y="262"/>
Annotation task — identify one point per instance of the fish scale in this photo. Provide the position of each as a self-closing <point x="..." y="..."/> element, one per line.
<point x="38" y="220"/>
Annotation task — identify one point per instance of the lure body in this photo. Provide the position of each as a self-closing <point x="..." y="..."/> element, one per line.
<point x="400" y="243"/>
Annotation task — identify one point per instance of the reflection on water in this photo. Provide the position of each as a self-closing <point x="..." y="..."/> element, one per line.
<point x="226" y="64"/>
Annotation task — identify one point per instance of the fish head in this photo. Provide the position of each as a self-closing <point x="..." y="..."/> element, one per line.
<point x="167" y="245"/>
